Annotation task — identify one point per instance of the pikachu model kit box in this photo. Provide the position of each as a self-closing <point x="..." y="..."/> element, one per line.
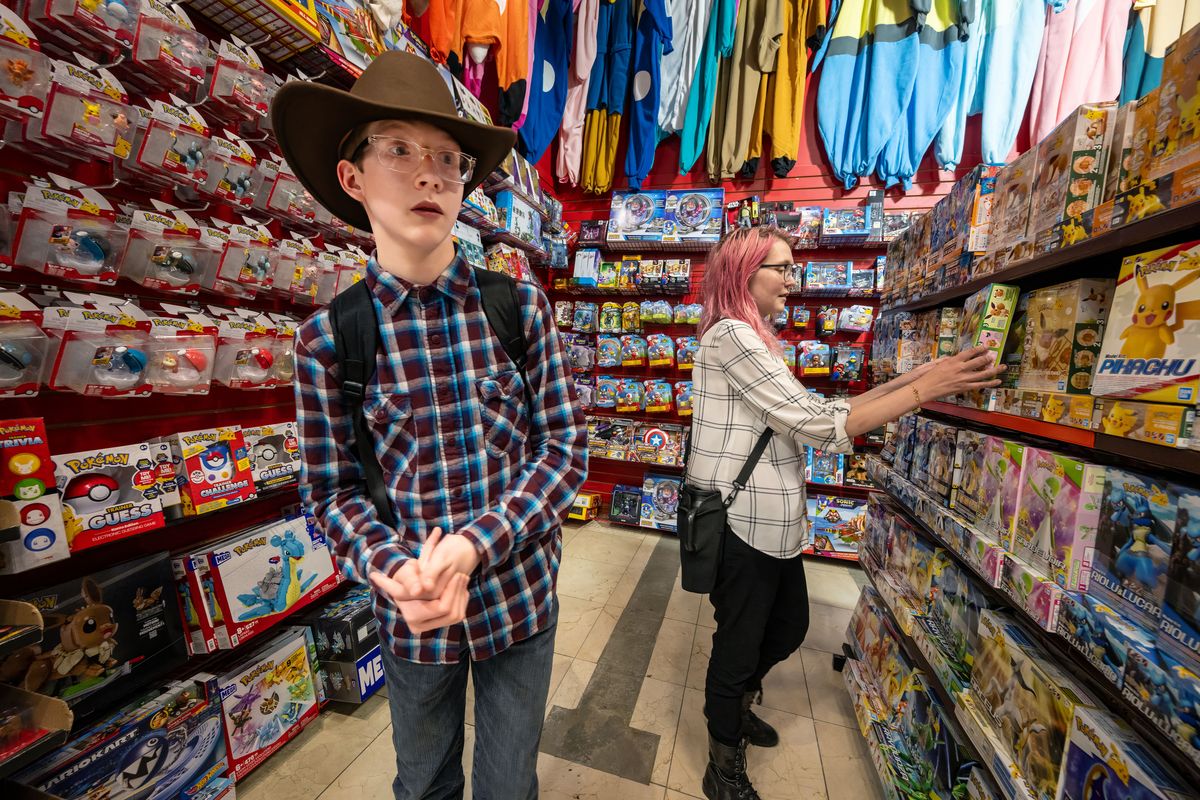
<point x="1151" y="350"/>
<point x="1177" y="140"/>
<point x="1063" y="331"/>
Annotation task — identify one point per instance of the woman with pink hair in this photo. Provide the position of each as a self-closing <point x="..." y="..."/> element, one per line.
<point x="741" y="388"/>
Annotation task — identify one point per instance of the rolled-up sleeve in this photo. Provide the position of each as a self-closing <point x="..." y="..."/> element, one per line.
<point x="332" y="484"/>
<point x="770" y="389"/>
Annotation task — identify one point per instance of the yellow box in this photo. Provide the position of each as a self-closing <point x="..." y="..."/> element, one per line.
<point x="1156" y="423"/>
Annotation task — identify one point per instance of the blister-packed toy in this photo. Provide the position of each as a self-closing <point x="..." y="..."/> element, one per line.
<point x="660" y="350"/>
<point x="653" y="273"/>
<point x="631" y="318"/>
<point x="628" y="275"/>
<point x="695" y="311"/>
<point x="633" y="351"/>
<point x="610" y="318"/>
<point x="685" y="351"/>
<point x="856" y="318"/>
<point x="780" y="320"/>
<point x="801" y="317"/>
<point x="658" y="396"/>
<point x="606" y="391"/>
<point x="848" y="364"/>
<point x="630" y="395"/>
<point x="585" y="318"/>
<point x="585" y="388"/>
<point x="814" y="358"/>
<point x="683" y="398"/>
<point x="26" y="80"/>
<point x="827" y="321"/>
<point x="789" y="352"/>
<point x="680" y="314"/>
<point x="564" y="313"/>
<point x="581" y="351"/>
<point x="608" y="352"/>
<point x="606" y="277"/>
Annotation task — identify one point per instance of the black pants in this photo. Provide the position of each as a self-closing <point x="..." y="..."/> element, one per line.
<point x="761" y="607"/>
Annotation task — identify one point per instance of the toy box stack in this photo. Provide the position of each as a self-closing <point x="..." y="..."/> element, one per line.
<point x="267" y="698"/>
<point x="346" y="633"/>
<point x="1063" y="332"/>
<point x="108" y="635"/>
<point x="1071" y="166"/>
<point x="1011" y="234"/>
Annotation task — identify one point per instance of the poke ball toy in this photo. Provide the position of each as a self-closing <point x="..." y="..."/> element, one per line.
<point x="216" y="463"/>
<point x="122" y="369"/>
<point x="86" y="252"/>
<point x="87" y="494"/>
<point x="117" y="10"/>
<point x="254" y="365"/>
<point x="177" y="268"/>
<point x="14" y="360"/>
<point x="183" y="367"/>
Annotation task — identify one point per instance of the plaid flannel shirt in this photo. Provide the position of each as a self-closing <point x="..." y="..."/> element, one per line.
<point x="740" y="389"/>
<point x="451" y="428"/>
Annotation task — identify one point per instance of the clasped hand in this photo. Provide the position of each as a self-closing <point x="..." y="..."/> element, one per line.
<point x="430" y="591"/>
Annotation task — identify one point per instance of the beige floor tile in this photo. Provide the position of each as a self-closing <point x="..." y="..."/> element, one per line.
<point x="369" y="777"/>
<point x="570" y="690"/>
<point x="588" y="580"/>
<point x="826" y="690"/>
<point x="570" y="531"/>
<point x="836" y="589"/>
<point x="575" y="620"/>
<point x="827" y="627"/>
<point x="606" y="545"/>
<point x="849" y="773"/>
<point x="626" y="586"/>
<point x="606" y="623"/>
<point x="672" y="652"/>
<point x="793" y="769"/>
<point x="684" y="606"/>
<point x="701" y="653"/>
<point x="785" y="688"/>
<point x="674" y="795"/>
<point x="558" y="671"/>
<point x="564" y="780"/>
<point x="316" y="757"/>
<point x="657" y="711"/>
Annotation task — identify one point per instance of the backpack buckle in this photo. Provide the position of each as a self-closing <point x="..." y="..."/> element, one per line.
<point x="353" y="390"/>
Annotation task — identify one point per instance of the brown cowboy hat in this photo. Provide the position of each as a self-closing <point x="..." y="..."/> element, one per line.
<point x="312" y="122"/>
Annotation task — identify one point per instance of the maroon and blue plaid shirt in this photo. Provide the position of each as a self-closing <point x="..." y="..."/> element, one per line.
<point x="452" y="431"/>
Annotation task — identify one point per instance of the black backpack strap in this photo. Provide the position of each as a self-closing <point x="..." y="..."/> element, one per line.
<point x="356" y="340"/>
<point x="502" y="305"/>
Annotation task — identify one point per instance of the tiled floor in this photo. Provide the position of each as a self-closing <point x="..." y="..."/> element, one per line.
<point x="347" y="753"/>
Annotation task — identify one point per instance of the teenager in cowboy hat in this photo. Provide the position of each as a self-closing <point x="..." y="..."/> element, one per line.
<point x="478" y="480"/>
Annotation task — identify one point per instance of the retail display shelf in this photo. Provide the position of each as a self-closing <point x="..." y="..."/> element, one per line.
<point x="495" y="183"/>
<point x="594" y="291"/>
<point x="1117" y="242"/>
<point x="1063" y="655"/>
<point x="50" y="715"/>
<point x="652" y="247"/>
<point x="20" y="626"/>
<point x="504" y="237"/>
<point x="1159" y="456"/>
<point x="640" y="416"/>
<point x="824" y="487"/>
<point x="647" y="464"/>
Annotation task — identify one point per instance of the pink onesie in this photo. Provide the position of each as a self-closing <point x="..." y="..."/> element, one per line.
<point x="583" y="54"/>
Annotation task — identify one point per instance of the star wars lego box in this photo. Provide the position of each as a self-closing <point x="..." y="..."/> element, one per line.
<point x="216" y="469"/>
<point x="268" y="698"/>
<point x="1150" y="349"/>
<point x="167" y="746"/>
<point x="1063" y="332"/>
<point x="107" y="635"/>
<point x="262" y="575"/>
<point x="274" y="452"/>
<point x="108" y="493"/>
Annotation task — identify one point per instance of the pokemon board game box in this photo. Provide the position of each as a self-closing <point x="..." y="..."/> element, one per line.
<point x="108" y="493"/>
<point x="1151" y="349"/>
<point x="216" y="469"/>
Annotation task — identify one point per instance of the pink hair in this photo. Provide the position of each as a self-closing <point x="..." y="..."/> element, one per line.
<point x="726" y="292"/>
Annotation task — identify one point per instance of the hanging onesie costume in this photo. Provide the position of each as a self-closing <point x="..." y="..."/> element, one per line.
<point x="1153" y="28"/>
<point x="998" y="72"/>
<point x="583" y="57"/>
<point x="548" y="89"/>
<point x="1080" y="61"/>
<point x="607" y="91"/>
<point x="689" y="23"/>
<point x="718" y="43"/>
<point x="870" y="66"/>
<point x="653" y="39"/>
<point x="755" y="43"/>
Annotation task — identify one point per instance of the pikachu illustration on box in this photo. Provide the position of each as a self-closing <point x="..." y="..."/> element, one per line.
<point x="1151" y="348"/>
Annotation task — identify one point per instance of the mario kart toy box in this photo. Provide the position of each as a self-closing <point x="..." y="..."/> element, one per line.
<point x="268" y="698"/>
<point x="166" y="745"/>
<point x="215" y="470"/>
<point x="108" y="494"/>
<point x="244" y="584"/>
<point x="1151" y="343"/>
<point x="107" y="635"/>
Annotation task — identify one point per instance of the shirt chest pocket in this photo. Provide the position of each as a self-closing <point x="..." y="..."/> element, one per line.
<point x="390" y="419"/>
<point x="505" y="418"/>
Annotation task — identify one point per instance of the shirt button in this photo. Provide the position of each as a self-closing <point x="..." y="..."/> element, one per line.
<point x="457" y="491"/>
<point x="381" y="415"/>
<point x="435" y="339"/>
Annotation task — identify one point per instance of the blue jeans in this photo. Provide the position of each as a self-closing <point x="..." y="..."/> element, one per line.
<point x="428" y="704"/>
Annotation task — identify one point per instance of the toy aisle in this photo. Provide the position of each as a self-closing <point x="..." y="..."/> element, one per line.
<point x="1004" y="585"/>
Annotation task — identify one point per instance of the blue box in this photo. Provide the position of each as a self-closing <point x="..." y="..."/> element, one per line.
<point x="1105" y="758"/>
<point x="637" y="216"/>
<point x="1180" y="631"/>
<point x="660" y="502"/>
<point x="695" y="215"/>
<point x="354" y="681"/>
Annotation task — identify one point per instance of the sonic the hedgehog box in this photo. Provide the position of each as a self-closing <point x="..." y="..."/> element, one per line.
<point x="216" y="469"/>
<point x="264" y="574"/>
<point x="1151" y="347"/>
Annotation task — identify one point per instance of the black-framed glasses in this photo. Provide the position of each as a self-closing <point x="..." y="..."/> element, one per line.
<point x="402" y="155"/>
<point x="787" y="270"/>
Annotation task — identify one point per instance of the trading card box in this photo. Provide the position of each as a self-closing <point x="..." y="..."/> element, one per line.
<point x="1063" y="333"/>
<point x="1149" y="350"/>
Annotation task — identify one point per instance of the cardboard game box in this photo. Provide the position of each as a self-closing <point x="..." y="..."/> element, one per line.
<point x="986" y="318"/>
<point x="108" y="494"/>
<point x="274" y="452"/>
<point x="1149" y="350"/>
<point x="1071" y="163"/>
<point x="29" y="499"/>
<point x="1059" y="516"/>
<point x="1177" y="137"/>
<point x="1063" y="332"/>
<point x="837" y="524"/>
<point x="216" y="469"/>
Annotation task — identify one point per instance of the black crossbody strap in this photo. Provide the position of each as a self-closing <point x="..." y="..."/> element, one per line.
<point x="356" y="340"/>
<point x="739" y="482"/>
